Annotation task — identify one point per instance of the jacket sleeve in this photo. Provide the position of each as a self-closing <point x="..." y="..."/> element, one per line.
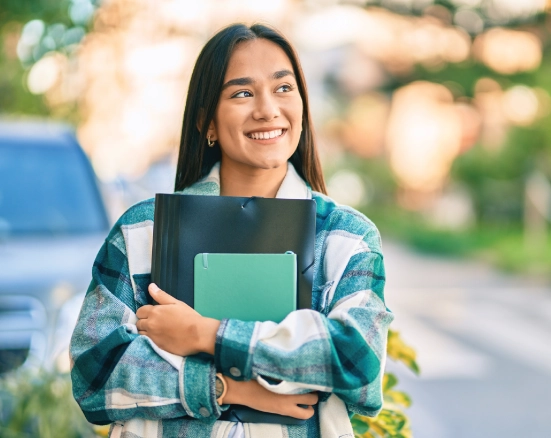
<point x="340" y="349"/>
<point x="118" y="374"/>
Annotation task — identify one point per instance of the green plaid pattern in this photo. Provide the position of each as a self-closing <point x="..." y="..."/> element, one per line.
<point x="338" y="347"/>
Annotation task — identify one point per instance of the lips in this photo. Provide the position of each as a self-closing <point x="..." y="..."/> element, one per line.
<point x="266" y="135"/>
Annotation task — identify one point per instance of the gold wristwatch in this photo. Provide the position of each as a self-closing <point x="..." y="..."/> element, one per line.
<point x="221" y="388"/>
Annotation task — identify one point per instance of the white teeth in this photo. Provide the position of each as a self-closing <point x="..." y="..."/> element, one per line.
<point x="266" y="135"/>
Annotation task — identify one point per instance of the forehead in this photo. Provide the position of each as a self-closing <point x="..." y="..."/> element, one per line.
<point x="257" y="59"/>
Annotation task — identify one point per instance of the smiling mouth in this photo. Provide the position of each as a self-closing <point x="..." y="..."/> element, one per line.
<point x="267" y="135"/>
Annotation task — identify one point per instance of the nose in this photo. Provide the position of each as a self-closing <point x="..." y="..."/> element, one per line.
<point x="266" y="107"/>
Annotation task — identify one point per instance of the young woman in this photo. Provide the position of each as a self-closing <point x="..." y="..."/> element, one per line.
<point x="246" y="132"/>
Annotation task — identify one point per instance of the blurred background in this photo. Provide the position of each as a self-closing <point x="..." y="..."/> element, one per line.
<point x="432" y="117"/>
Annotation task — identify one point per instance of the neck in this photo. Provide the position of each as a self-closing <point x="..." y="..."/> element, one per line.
<point x="247" y="182"/>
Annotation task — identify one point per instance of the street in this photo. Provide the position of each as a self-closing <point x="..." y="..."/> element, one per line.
<point x="483" y="341"/>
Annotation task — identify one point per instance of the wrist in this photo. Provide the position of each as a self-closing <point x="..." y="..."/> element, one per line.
<point x="235" y="390"/>
<point x="221" y="388"/>
<point x="207" y="329"/>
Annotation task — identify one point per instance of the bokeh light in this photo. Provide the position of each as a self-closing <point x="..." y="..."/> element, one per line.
<point x="521" y="105"/>
<point x="424" y="135"/>
<point x="509" y="51"/>
<point x="347" y="188"/>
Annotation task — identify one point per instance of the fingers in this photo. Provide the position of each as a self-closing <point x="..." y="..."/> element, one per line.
<point x="299" y="406"/>
<point x="252" y="394"/>
<point x="310" y="398"/>
<point x="143" y="312"/>
<point x="141" y="325"/>
<point x="302" y="413"/>
<point x="302" y="407"/>
<point x="161" y="296"/>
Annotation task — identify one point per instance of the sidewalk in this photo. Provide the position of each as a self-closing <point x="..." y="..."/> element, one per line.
<point x="483" y="344"/>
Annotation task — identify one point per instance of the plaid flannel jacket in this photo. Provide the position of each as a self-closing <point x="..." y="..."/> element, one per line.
<point x="337" y="348"/>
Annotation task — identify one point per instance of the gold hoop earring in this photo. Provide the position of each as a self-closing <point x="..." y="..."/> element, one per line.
<point x="209" y="142"/>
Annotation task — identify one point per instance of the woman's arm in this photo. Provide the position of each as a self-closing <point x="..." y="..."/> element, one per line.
<point x="251" y="393"/>
<point x="176" y="327"/>
<point x="340" y="349"/>
<point x="118" y="374"/>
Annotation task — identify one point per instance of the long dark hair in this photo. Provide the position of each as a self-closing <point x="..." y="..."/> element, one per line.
<point x="195" y="159"/>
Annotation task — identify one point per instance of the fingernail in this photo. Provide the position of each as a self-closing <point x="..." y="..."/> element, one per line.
<point x="153" y="288"/>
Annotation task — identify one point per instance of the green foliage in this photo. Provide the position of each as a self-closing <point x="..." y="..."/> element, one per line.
<point x="15" y="99"/>
<point x="499" y="242"/>
<point x="391" y="421"/>
<point x="23" y="11"/>
<point x="465" y="75"/>
<point x="512" y="253"/>
<point x="398" y="350"/>
<point x="495" y="178"/>
<point x="39" y="403"/>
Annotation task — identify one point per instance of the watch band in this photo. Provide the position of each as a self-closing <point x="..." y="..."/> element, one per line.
<point x="220" y="399"/>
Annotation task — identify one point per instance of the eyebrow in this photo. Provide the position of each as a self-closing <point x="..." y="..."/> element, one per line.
<point x="282" y="73"/>
<point x="248" y="81"/>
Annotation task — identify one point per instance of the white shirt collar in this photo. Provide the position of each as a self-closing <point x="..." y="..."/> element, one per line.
<point x="292" y="186"/>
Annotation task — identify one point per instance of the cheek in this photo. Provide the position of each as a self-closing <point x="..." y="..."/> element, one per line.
<point x="227" y="118"/>
<point x="294" y="114"/>
<point x="297" y="121"/>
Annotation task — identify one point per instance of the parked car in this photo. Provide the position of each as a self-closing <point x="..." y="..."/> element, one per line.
<point x="52" y="223"/>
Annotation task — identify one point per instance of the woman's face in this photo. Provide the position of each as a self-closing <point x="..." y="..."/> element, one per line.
<point x="258" y="120"/>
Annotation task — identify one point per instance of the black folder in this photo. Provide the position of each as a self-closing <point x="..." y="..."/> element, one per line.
<point x="187" y="225"/>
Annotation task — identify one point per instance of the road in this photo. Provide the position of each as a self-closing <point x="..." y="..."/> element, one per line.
<point x="484" y="347"/>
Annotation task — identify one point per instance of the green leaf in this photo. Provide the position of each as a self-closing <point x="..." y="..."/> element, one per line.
<point x="398" y="397"/>
<point x="359" y="425"/>
<point x="398" y="350"/>
<point x="389" y="381"/>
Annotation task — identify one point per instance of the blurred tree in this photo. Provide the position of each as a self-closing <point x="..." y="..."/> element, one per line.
<point x="53" y="16"/>
<point x="14" y="14"/>
<point x="47" y="10"/>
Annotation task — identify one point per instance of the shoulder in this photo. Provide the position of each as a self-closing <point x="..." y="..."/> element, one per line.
<point x="334" y="218"/>
<point x="140" y="212"/>
<point x="137" y="216"/>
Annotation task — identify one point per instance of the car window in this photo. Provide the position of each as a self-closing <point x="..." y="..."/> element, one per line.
<point x="47" y="189"/>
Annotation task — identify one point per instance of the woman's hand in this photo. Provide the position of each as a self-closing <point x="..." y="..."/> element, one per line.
<point x="251" y="393"/>
<point x="176" y="327"/>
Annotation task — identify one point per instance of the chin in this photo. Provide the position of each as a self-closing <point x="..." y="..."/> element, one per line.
<point x="272" y="164"/>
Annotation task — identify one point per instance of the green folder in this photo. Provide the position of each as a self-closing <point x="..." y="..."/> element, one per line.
<point x="248" y="287"/>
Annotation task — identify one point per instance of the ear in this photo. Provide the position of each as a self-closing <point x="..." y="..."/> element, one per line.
<point x="211" y="129"/>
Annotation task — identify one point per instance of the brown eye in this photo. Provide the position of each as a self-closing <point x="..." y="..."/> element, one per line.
<point x="242" y="94"/>
<point x="284" y="89"/>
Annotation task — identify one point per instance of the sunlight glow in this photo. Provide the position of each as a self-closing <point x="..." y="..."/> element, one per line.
<point x="129" y="76"/>
<point x="508" y="51"/>
<point x="423" y="135"/>
<point x="45" y="74"/>
<point x="520" y="104"/>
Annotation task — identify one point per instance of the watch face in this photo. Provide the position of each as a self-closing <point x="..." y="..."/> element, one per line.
<point x="219" y="387"/>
